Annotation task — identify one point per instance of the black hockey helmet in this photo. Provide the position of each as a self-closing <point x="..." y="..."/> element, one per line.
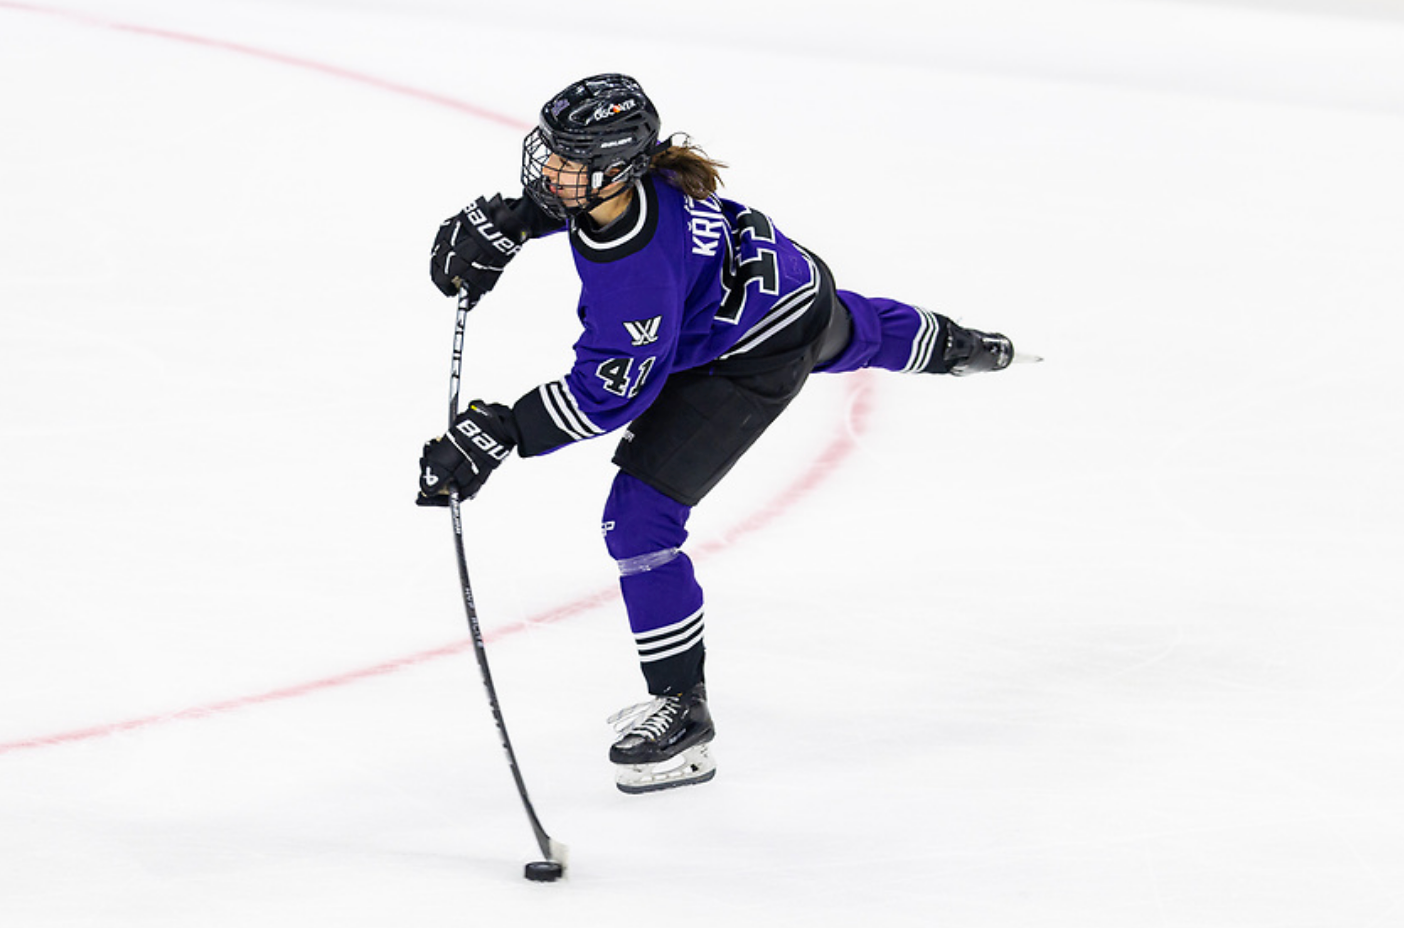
<point x="605" y="123"/>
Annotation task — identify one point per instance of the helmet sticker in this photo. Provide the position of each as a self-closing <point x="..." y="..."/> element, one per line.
<point x="606" y="110"/>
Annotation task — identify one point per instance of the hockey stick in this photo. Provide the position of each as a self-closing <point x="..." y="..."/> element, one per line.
<point x="553" y="867"/>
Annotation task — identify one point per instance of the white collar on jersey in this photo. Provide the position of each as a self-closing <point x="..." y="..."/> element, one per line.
<point x="616" y="235"/>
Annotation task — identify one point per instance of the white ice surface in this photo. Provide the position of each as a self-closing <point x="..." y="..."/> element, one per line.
<point x="1113" y="640"/>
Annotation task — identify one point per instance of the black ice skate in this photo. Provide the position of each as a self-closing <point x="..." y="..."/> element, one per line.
<point x="664" y="743"/>
<point x="970" y="351"/>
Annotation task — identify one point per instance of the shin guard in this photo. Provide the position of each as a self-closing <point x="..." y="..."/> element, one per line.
<point x="644" y="531"/>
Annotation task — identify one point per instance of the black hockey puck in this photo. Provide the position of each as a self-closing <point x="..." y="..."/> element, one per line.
<point x="545" y="871"/>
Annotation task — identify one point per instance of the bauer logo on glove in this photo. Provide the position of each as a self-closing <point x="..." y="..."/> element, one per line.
<point x="473" y="432"/>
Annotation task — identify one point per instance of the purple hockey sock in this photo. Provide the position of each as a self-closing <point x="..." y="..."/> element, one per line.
<point x="890" y="335"/>
<point x="644" y="531"/>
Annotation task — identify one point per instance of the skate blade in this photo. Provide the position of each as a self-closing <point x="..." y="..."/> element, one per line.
<point x="1021" y="357"/>
<point x="695" y="765"/>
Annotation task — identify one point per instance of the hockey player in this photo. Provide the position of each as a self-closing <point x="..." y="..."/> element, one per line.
<point x="701" y="322"/>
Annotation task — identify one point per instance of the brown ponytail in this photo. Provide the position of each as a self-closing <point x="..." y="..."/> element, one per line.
<point x="688" y="168"/>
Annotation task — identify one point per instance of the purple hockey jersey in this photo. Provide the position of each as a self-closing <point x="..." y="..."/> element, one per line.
<point x="673" y="284"/>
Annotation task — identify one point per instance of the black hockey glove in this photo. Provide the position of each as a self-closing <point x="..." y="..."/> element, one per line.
<point x="970" y="351"/>
<point x="481" y="438"/>
<point x="473" y="247"/>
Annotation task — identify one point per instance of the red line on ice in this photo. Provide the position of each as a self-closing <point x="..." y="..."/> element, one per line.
<point x="824" y="464"/>
<point x="306" y="64"/>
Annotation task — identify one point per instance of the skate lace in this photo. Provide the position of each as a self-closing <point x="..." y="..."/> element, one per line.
<point x="649" y="719"/>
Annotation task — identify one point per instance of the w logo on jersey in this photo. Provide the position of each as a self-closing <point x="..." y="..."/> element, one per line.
<point x="644" y="332"/>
